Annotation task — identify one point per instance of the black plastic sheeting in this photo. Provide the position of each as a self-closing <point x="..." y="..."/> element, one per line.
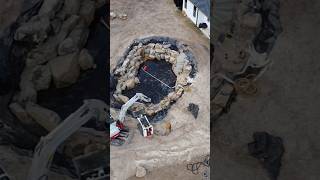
<point x="269" y="150"/>
<point x="149" y="86"/>
<point x="92" y="84"/>
<point x="271" y="25"/>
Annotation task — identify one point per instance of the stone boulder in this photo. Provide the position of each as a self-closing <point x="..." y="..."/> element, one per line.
<point x="162" y="128"/>
<point x="141" y="172"/>
<point x="48" y="50"/>
<point x="121" y="98"/>
<point x="21" y="114"/>
<point x="41" y="77"/>
<point x="87" y="11"/>
<point x="27" y="93"/>
<point x="65" y="70"/>
<point x="86" y="61"/>
<point x="50" y="7"/>
<point x="70" y="7"/>
<point x="67" y="46"/>
<point x="80" y="34"/>
<point x="178" y="67"/>
<point x="35" y="30"/>
<point x="46" y="118"/>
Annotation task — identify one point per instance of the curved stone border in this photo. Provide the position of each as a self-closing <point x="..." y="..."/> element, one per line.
<point x="154" y="48"/>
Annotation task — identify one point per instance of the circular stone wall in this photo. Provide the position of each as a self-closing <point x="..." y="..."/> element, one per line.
<point x="159" y="67"/>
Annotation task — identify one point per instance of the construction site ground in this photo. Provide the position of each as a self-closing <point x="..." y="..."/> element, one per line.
<point x="287" y="105"/>
<point x="190" y="137"/>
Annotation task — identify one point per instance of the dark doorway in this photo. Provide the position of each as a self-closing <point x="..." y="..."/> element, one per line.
<point x="178" y="3"/>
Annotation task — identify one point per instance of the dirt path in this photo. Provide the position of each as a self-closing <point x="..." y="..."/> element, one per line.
<point x="286" y="105"/>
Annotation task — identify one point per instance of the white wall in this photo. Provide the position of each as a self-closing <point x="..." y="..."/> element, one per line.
<point x="189" y="10"/>
<point x="200" y="17"/>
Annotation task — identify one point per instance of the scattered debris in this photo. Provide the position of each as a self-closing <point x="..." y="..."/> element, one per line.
<point x="195" y="168"/>
<point x="113" y="15"/>
<point x="194" y="109"/>
<point x="141" y="172"/>
<point x="269" y="150"/>
<point x="123" y="16"/>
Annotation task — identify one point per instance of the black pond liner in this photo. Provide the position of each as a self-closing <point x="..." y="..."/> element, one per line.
<point x="92" y="84"/>
<point x="149" y="86"/>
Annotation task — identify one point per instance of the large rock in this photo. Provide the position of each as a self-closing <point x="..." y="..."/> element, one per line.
<point x="65" y="70"/>
<point x="67" y="46"/>
<point x="21" y="114"/>
<point x="50" y="7"/>
<point x="80" y="34"/>
<point x="27" y="93"/>
<point x="35" y="30"/>
<point x="86" y="60"/>
<point x="178" y="67"/>
<point x="71" y="7"/>
<point x="121" y="98"/>
<point x="130" y="83"/>
<point x="162" y="128"/>
<point x="41" y="77"/>
<point x="141" y="172"/>
<point x="45" y="117"/>
<point x="48" y="50"/>
<point x="87" y="11"/>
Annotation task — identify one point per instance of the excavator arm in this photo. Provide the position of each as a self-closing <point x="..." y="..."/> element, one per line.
<point x="127" y="105"/>
<point x="47" y="146"/>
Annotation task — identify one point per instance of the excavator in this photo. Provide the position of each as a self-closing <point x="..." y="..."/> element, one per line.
<point x="91" y="109"/>
<point x="46" y="148"/>
<point x="119" y="133"/>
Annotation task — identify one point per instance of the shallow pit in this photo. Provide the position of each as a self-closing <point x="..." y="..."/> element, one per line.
<point x="151" y="87"/>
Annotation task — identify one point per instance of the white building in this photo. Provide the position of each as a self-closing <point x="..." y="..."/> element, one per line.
<point x="198" y="11"/>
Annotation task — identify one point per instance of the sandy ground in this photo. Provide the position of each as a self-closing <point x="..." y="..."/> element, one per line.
<point x="287" y="105"/>
<point x="190" y="138"/>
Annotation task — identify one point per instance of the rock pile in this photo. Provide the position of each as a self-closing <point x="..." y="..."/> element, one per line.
<point x="128" y="68"/>
<point x="58" y="34"/>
